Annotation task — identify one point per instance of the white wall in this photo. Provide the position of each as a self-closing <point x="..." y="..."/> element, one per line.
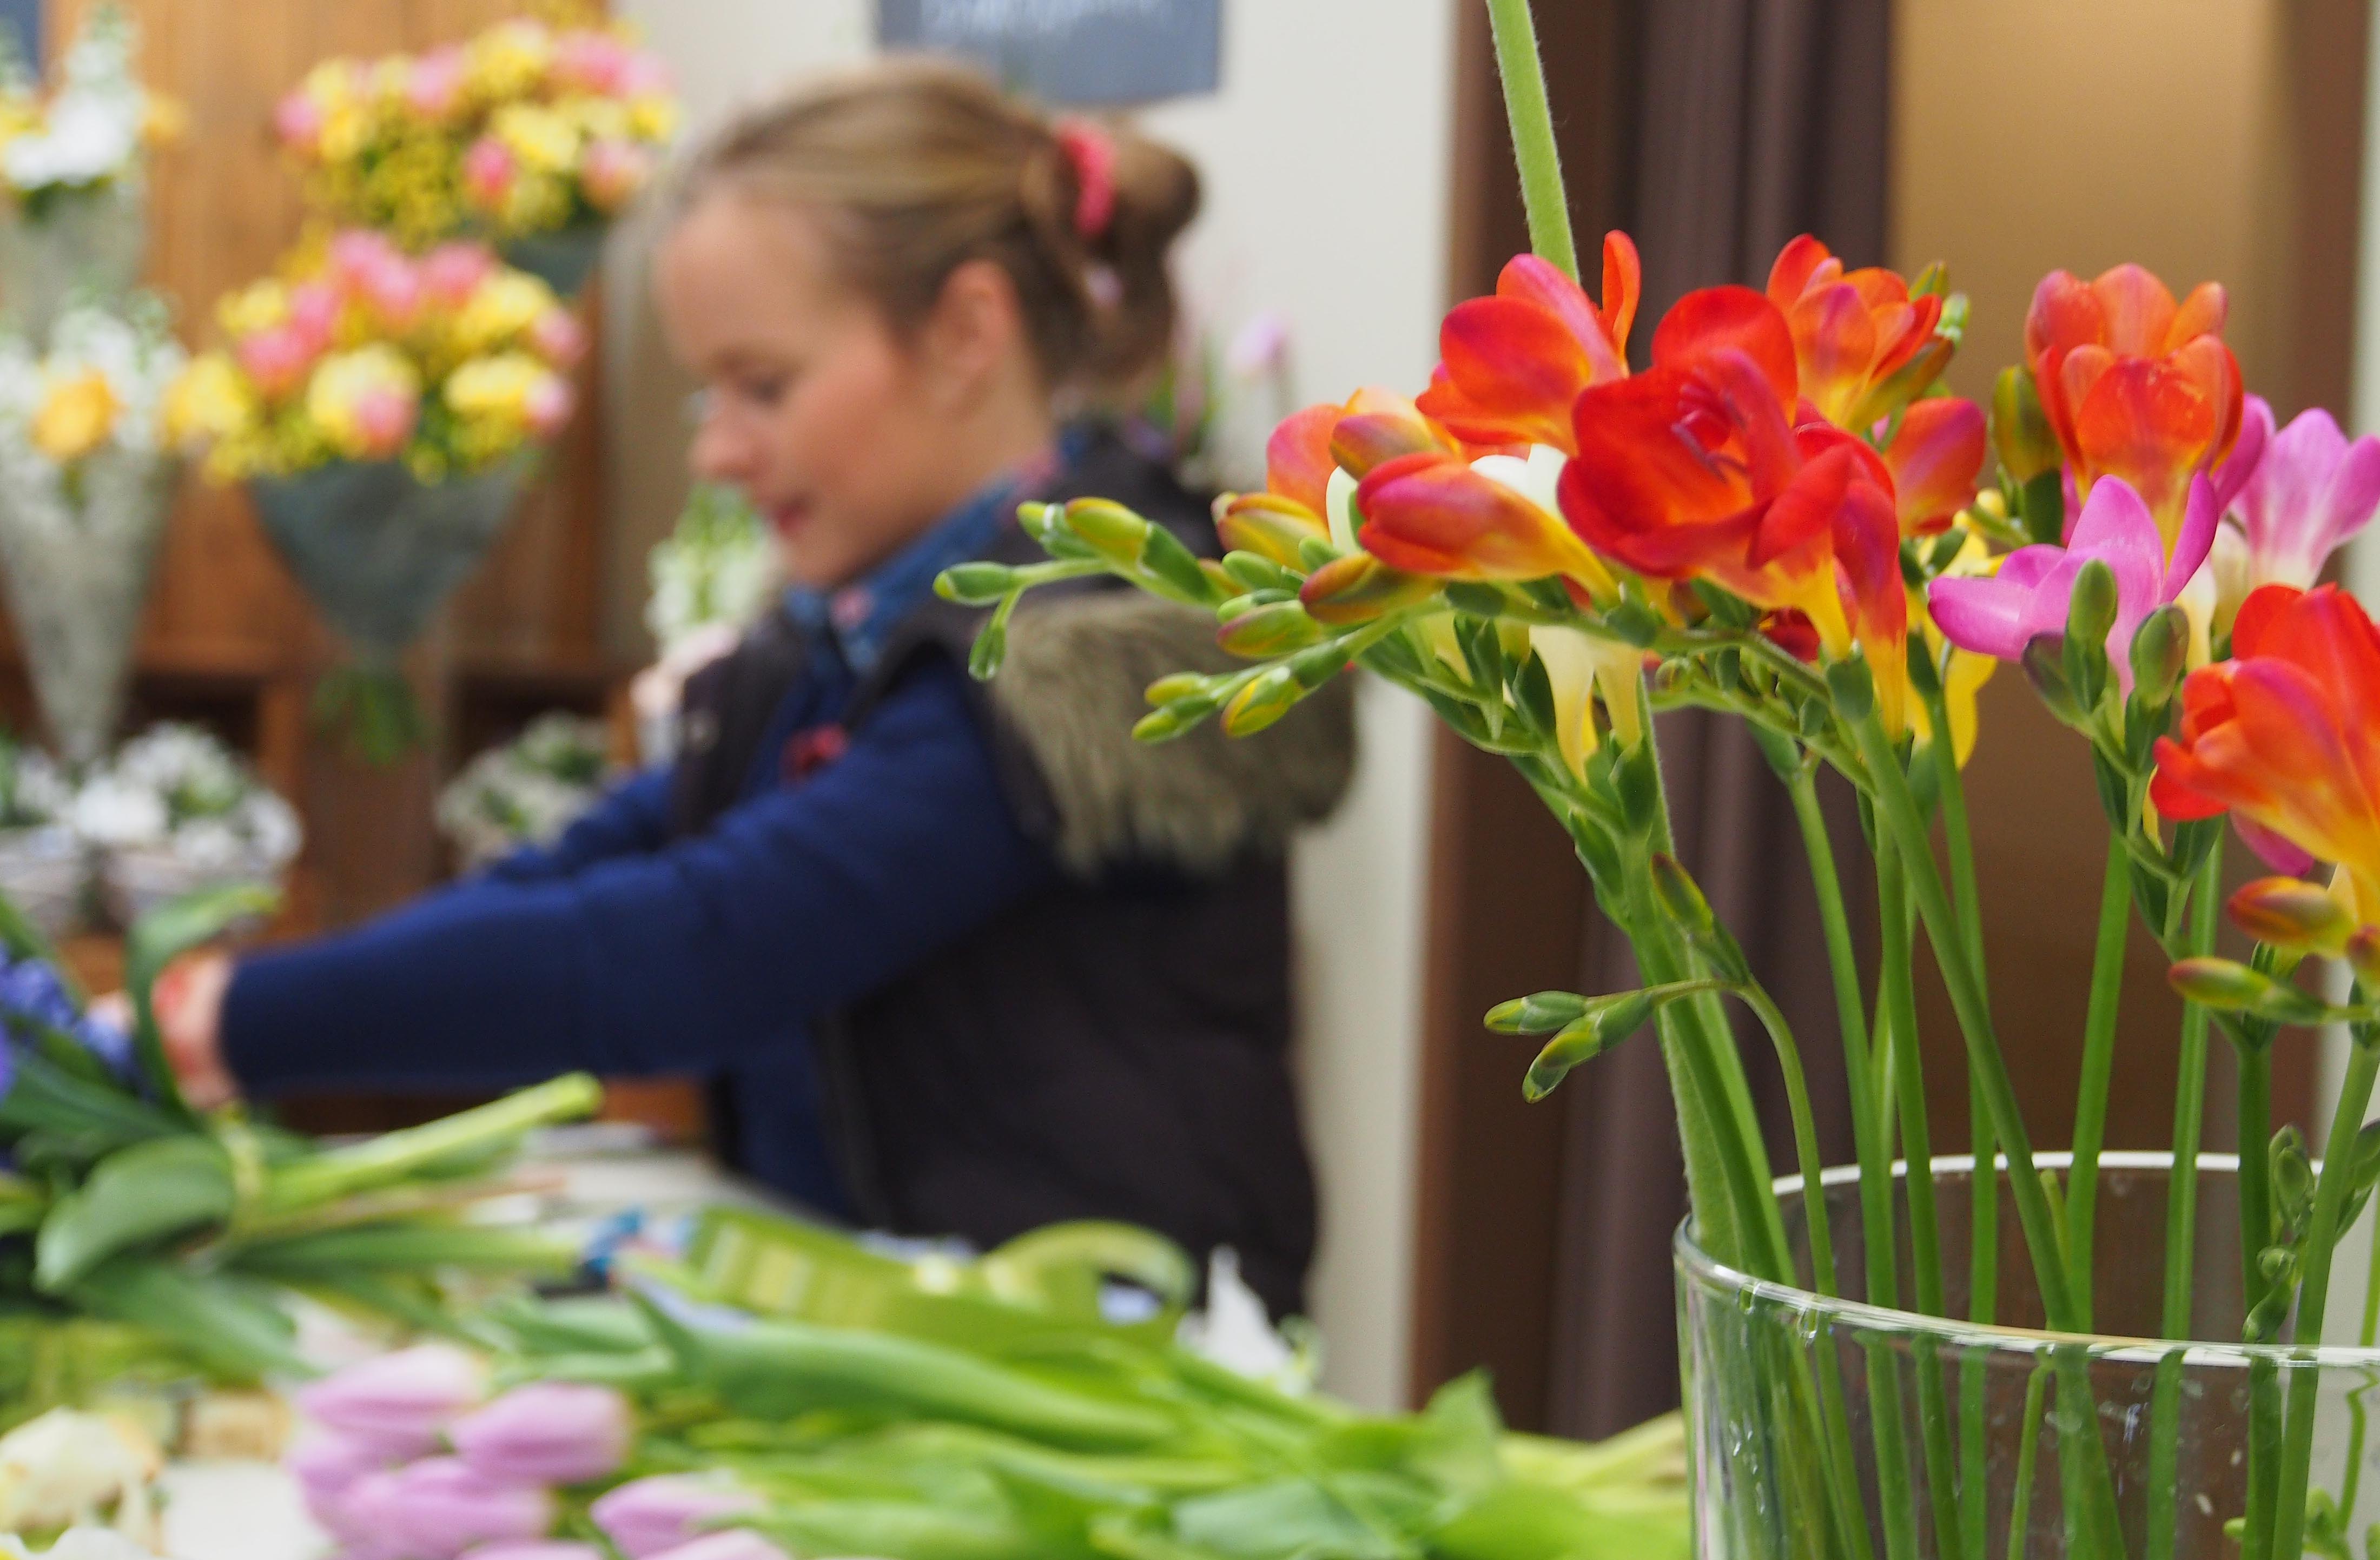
<point x="1326" y="165"/>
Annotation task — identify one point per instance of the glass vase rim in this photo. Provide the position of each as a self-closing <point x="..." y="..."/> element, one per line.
<point x="1699" y="1266"/>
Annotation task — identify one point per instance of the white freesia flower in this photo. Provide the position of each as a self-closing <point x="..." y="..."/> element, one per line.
<point x="69" y="1467"/>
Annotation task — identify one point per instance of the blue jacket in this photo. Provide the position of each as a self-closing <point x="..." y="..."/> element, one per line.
<point x="956" y="976"/>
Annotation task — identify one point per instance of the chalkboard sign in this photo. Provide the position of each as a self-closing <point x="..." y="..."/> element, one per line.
<point x="1071" y="50"/>
<point x="23" y="18"/>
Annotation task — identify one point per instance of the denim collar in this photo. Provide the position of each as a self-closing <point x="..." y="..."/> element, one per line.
<point x="858" y="619"/>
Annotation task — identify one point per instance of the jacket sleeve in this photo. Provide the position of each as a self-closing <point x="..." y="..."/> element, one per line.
<point x="681" y="960"/>
<point x="631" y="820"/>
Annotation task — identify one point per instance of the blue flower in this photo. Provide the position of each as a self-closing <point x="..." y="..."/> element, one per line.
<point x="32" y="992"/>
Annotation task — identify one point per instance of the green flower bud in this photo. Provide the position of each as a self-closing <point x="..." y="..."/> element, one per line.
<point x="2160" y="654"/>
<point x="1113" y="532"/>
<point x="2026" y="444"/>
<point x="2091" y="611"/>
<point x="1253" y="571"/>
<point x="2292" y="915"/>
<point x="978" y="584"/>
<point x="1542" y="1012"/>
<point x="1180" y="685"/>
<point x="1263" y="702"/>
<point x="1680" y="896"/>
<point x="2224" y="985"/>
<point x="1269" y="630"/>
<point x="1607" y="1021"/>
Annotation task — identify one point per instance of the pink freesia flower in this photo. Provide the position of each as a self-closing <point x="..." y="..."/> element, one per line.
<point x="277" y="359"/>
<point x="2309" y="495"/>
<point x="452" y="272"/>
<point x="1999" y="616"/>
<point x="650" y="1517"/>
<point x="397" y="1403"/>
<point x="488" y="170"/>
<point x="547" y="1433"/>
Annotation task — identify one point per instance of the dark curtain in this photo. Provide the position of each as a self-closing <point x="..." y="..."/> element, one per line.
<point x="1755" y="120"/>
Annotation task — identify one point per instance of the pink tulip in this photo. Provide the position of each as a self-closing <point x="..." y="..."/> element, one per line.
<point x="397" y="1403"/>
<point x="277" y="360"/>
<point x="452" y="272"/>
<point x="488" y="171"/>
<point x="298" y="120"/>
<point x="547" y="1432"/>
<point x="650" y="1517"/>
<point x="535" y="1549"/>
<point x="435" y="82"/>
<point x="731" y="1543"/>
<point x="558" y="337"/>
<point x="1999" y="616"/>
<point x="327" y="1466"/>
<point x="436" y="1508"/>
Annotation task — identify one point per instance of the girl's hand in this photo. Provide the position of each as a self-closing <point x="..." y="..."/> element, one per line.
<point x="188" y="998"/>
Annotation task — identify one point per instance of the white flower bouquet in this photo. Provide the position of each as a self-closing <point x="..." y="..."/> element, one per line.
<point x="528" y="791"/>
<point x="84" y="487"/>
<point x="74" y="167"/>
<point x="176" y="811"/>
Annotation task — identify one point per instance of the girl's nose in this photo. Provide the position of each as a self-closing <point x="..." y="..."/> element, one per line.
<point x="719" y="455"/>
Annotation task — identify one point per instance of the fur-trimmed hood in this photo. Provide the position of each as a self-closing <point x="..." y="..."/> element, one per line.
<point x="1068" y="694"/>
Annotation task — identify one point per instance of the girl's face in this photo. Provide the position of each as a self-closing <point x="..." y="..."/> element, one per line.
<point x="835" y="429"/>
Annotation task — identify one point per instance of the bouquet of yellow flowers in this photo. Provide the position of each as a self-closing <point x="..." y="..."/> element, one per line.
<point x="450" y="363"/>
<point x="526" y="131"/>
<point x="382" y="410"/>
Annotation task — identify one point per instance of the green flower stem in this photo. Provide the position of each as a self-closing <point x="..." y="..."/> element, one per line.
<point x="2028" y="1455"/>
<point x="2094" y="1526"/>
<point x="1534" y="148"/>
<point x="2098" y="1065"/>
<point x="1898" y="815"/>
<point x="2314" y="1291"/>
<point x="2255" y="1062"/>
<point x="1899" y="1019"/>
<point x="2182" y="1231"/>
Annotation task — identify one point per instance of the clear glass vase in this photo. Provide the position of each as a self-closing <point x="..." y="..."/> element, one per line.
<point x="1828" y="1427"/>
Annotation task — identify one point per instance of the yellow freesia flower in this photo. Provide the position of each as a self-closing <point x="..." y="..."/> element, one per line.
<point x="212" y="401"/>
<point x="508" y="61"/>
<point x="654" y="116"/>
<point x="502" y="310"/>
<point x="365" y="401"/>
<point x="545" y="141"/>
<point x="1967" y="672"/>
<point x="256" y="308"/>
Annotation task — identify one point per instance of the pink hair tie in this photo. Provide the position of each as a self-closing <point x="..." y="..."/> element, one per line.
<point x="1093" y="154"/>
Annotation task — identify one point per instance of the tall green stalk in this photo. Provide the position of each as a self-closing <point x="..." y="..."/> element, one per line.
<point x="1899" y="1018"/>
<point x="2256" y="1063"/>
<point x="1534" y="148"/>
<point x="2314" y="1292"/>
<point x="2098" y="1066"/>
<point x="2181" y="1228"/>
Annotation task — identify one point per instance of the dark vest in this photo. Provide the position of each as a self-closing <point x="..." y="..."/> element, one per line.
<point x="1116" y="1047"/>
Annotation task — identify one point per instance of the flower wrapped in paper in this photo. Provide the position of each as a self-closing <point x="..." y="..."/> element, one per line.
<point x="383" y="411"/>
<point x="86" y="477"/>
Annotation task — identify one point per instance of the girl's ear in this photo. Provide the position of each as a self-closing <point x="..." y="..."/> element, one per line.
<point x="975" y="333"/>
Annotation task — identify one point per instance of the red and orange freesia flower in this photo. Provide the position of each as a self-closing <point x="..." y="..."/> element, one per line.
<point x="1511" y="366"/>
<point x="2286" y="737"/>
<point x="2133" y="384"/>
<point x="1864" y="344"/>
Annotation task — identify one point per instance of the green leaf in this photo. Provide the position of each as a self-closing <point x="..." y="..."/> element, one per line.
<point x="134" y="1196"/>
<point x="224" y="1323"/>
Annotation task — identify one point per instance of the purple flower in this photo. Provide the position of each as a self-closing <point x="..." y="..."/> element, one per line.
<point x="535" y="1549"/>
<point x="327" y="1466"/>
<point x="2000" y="614"/>
<point x="548" y="1432"/>
<point x="648" y="1517"/>
<point x="2311" y="492"/>
<point x="397" y="1403"/>
<point x="436" y="1508"/>
<point x="732" y="1544"/>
